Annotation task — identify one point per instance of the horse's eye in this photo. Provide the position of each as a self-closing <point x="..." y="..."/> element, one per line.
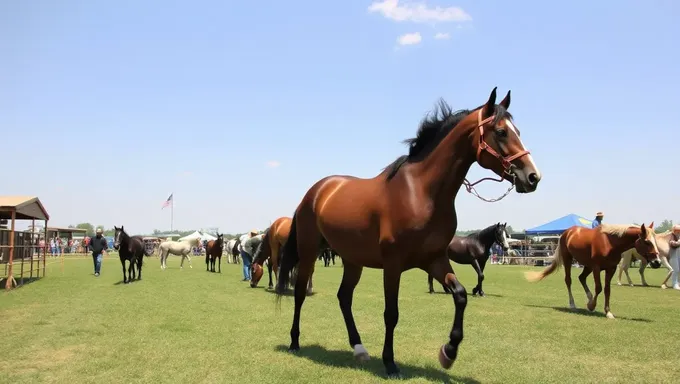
<point x="501" y="133"/>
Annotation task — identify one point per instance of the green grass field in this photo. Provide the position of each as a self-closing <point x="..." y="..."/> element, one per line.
<point x="192" y="326"/>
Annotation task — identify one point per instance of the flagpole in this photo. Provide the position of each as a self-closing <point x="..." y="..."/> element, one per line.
<point x="172" y="210"/>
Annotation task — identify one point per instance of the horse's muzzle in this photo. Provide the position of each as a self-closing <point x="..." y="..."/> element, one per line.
<point x="655" y="264"/>
<point x="116" y="246"/>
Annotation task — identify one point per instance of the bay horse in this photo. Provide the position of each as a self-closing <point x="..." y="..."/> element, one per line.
<point x="328" y="255"/>
<point x="231" y="247"/>
<point x="213" y="250"/>
<point x="402" y="218"/>
<point x="598" y="249"/>
<point x="473" y="250"/>
<point x="270" y="249"/>
<point x="179" y="248"/>
<point x="130" y="248"/>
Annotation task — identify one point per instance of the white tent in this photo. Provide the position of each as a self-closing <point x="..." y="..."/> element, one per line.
<point x="192" y="236"/>
<point x="208" y="237"/>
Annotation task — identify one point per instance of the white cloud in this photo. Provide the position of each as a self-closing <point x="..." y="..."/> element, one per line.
<point x="418" y="12"/>
<point x="442" y="36"/>
<point x="409" y="39"/>
<point x="272" y="164"/>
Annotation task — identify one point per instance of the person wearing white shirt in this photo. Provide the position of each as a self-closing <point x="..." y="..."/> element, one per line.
<point x="245" y="256"/>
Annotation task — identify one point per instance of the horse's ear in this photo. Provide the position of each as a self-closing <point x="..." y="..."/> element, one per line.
<point x="505" y="103"/>
<point x="505" y="224"/>
<point x="490" y="104"/>
<point x="121" y="227"/>
<point x="643" y="230"/>
<point x="651" y="226"/>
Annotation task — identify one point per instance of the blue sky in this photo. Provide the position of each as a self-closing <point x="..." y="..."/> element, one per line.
<point x="239" y="107"/>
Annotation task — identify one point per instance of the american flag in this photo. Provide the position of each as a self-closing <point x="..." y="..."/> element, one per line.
<point x="167" y="201"/>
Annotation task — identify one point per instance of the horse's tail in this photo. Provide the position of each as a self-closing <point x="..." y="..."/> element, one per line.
<point x="288" y="260"/>
<point x="557" y="260"/>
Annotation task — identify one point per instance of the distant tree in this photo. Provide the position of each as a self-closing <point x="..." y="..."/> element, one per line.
<point x="666" y="225"/>
<point x="89" y="228"/>
<point x="510" y="229"/>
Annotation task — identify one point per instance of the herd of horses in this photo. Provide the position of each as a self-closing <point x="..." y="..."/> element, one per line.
<point x="405" y="218"/>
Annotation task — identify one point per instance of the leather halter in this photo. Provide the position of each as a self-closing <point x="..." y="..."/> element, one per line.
<point x="506" y="161"/>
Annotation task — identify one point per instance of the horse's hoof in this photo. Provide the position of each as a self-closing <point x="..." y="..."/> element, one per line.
<point x="444" y="360"/>
<point x="482" y="294"/>
<point x="664" y="286"/>
<point x="619" y="283"/>
<point x="394" y="376"/>
<point x="591" y="306"/>
<point x="610" y="315"/>
<point x="293" y="349"/>
<point x="360" y="353"/>
<point x="270" y="287"/>
<point x="431" y="291"/>
<point x="632" y="285"/>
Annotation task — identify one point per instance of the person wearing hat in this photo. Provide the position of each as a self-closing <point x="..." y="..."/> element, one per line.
<point x="98" y="246"/>
<point x="246" y="253"/>
<point x="674" y="255"/>
<point x="598" y="220"/>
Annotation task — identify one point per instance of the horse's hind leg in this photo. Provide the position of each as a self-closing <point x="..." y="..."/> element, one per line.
<point x="598" y="288"/>
<point x="125" y="279"/>
<point x="429" y="283"/>
<point x="350" y="279"/>
<point x="269" y="269"/>
<point x="582" y="278"/>
<point x="567" y="282"/>
<point x="219" y="264"/>
<point x="140" y="262"/>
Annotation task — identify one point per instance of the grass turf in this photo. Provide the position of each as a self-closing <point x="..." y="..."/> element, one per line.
<point x="192" y="326"/>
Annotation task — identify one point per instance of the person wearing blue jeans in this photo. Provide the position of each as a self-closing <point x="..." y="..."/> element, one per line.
<point x="248" y="246"/>
<point x="247" y="260"/>
<point x="98" y="246"/>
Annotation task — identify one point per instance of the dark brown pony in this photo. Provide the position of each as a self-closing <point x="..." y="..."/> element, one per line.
<point x="598" y="249"/>
<point x="270" y="249"/>
<point x="403" y="217"/>
<point x="213" y="250"/>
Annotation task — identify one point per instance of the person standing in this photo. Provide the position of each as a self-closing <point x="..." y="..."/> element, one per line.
<point x="674" y="256"/>
<point x="598" y="220"/>
<point x="246" y="253"/>
<point x="98" y="245"/>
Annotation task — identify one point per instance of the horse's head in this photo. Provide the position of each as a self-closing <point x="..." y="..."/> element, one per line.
<point x="502" y="236"/>
<point x="646" y="246"/>
<point x="499" y="147"/>
<point x="256" y="272"/>
<point x="118" y="236"/>
<point x="219" y="242"/>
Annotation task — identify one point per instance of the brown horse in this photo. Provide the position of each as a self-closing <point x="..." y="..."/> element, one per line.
<point x="403" y="217"/>
<point x="213" y="250"/>
<point x="270" y="249"/>
<point x="598" y="249"/>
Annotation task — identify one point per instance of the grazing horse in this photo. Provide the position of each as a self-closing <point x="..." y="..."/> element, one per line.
<point x="598" y="249"/>
<point x="270" y="249"/>
<point x="213" y="250"/>
<point x="131" y="248"/>
<point x="662" y="240"/>
<point x="328" y="255"/>
<point x="179" y="248"/>
<point x="231" y="247"/>
<point x="402" y="218"/>
<point x="474" y="250"/>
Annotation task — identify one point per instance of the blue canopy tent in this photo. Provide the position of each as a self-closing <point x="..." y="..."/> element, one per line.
<point x="560" y="225"/>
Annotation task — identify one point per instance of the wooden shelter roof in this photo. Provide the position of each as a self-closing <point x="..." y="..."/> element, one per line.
<point x="26" y="207"/>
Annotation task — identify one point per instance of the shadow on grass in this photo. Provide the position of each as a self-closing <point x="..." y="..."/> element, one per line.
<point x="345" y="359"/>
<point x="586" y="312"/>
<point x="287" y="293"/>
<point x="469" y="294"/>
<point x="20" y="282"/>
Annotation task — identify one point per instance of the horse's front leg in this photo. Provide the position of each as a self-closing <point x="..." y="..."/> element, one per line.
<point x="219" y="264"/>
<point x="441" y="270"/>
<point x="391" y="280"/>
<point x="125" y="279"/>
<point x="666" y="264"/>
<point x="598" y="288"/>
<point x="480" y="277"/>
<point x="643" y="265"/>
<point x="608" y="275"/>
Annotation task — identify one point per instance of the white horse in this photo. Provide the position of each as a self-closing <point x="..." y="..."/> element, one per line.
<point x="229" y="247"/>
<point x="179" y="248"/>
<point x="662" y="240"/>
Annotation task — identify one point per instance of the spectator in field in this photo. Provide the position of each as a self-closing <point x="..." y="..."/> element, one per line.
<point x="598" y="220"/>
<point x="98" y="245"/>
<point x="674" y="256"/>
<point x="247" y="252"/>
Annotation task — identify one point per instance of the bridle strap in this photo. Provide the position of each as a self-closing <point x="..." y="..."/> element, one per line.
<point x="506" y="161"/>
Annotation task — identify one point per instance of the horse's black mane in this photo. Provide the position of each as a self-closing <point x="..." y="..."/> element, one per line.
<point x="485" y="235"/>
<point x="433" y="128"/>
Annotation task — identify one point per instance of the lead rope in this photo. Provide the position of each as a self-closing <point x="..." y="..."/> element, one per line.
<point x="471" y="189"/>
